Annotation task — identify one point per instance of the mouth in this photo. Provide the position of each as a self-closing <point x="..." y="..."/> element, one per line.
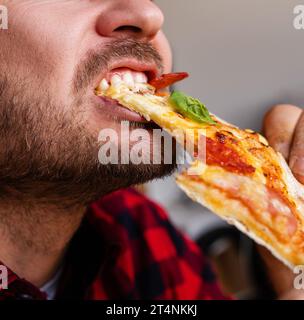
<point x="133" y="75"/>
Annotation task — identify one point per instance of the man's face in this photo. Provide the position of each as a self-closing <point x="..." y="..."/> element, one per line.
<point x="52" y="57"/>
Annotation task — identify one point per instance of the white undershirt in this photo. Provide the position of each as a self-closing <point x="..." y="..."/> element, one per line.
<point x="50" y="287"/>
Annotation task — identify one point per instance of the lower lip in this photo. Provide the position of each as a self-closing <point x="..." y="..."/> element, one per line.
<point x="113" y="108"/>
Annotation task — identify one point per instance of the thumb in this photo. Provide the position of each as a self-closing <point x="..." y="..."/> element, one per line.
<point x="296" y="159"/>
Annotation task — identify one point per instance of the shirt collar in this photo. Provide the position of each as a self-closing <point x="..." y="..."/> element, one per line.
<point x="20" y="289"/>
<point x="97" y="241"/>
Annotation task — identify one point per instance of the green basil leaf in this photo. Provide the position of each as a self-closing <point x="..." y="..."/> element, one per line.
<point x="190" y="107"/>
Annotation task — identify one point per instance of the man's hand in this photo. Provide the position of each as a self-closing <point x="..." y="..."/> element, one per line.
<point x="284" y="128"/>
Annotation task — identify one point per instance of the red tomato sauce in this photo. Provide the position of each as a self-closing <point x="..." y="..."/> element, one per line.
<point x="218" y="153"/>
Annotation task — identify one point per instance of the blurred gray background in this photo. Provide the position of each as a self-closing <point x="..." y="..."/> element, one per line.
<point x="243" y="57"/>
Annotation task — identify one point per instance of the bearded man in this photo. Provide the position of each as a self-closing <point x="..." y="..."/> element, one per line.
<point x="70" y="226"/>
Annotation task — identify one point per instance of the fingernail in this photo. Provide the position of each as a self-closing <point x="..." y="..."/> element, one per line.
<point x="297" y="165"/>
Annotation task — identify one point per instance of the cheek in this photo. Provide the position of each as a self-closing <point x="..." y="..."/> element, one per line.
<point x="39" y="39"/>
<point x="162" y="45"/>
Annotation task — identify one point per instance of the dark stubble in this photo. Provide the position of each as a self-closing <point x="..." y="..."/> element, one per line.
<point x="46" y="150"/>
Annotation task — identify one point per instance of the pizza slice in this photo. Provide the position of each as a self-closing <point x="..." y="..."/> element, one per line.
<point x="241" y="178"/>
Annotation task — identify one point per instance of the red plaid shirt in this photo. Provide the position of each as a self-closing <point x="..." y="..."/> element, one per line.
<point x="127" y="249"/>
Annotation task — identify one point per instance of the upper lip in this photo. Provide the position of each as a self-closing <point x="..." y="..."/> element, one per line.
<point x="149" y="68"/>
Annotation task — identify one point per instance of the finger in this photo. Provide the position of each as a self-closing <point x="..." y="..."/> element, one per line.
<point x="296" y="160"/>
<point x="279" y="125"/>
<point x="280" y="276"/>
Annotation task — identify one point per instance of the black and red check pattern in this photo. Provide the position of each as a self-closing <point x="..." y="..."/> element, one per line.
<point x="126" y="248"/>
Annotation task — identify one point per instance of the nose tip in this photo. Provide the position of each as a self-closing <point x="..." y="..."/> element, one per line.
<point x="135" y="18"/>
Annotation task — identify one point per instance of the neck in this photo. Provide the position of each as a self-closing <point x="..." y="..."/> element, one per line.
<point x="34" y="236"/>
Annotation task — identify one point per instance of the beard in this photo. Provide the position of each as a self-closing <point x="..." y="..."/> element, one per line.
<point x="47" y="150"/>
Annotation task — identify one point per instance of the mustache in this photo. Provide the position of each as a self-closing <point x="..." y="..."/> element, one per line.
<point x="100" y="58"/>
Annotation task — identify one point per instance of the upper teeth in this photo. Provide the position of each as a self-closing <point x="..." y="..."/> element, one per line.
<point x="140" y="78"/>
<point x="104" y="85"/>
<point x="129" y="78"/>
<point x="116" y="80"/>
